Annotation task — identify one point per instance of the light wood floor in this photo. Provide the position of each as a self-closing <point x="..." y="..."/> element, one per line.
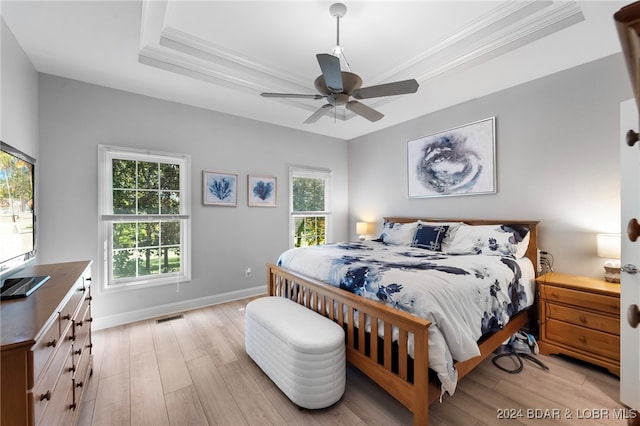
<point x="194" y="371"/>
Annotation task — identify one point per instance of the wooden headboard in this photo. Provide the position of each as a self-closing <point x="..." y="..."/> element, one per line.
<point x="532" y="250"/>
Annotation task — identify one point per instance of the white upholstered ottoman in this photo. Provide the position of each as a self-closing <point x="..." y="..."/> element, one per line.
<point x="301" y="351"/>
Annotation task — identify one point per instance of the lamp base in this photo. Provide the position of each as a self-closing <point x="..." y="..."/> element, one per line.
<point x="612" y="274"/>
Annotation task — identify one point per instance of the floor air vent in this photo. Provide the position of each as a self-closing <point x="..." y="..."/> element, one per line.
<point x="171" y="318"/>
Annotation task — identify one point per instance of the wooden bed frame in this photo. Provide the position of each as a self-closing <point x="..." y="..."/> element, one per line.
<point x="416" y="392"/>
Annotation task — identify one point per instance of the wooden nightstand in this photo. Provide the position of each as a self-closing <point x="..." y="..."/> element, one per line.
<point x="580" y="317"/>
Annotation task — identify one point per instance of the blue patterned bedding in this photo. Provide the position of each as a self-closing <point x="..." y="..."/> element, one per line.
<point x="464" y="296"/>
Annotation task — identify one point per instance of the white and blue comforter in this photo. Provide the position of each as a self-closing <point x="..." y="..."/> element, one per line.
<point x="464" y="296"/>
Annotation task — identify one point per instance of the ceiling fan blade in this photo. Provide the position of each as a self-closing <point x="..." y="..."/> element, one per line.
<point x="291" y="95"/>
<point x="319" y="113"/>
<point x="364" y="111"/>
<point x="330" y="66"/>
<point x="388" y="89"/>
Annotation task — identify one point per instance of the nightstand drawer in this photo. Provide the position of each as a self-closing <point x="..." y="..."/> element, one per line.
<point x="587" y="340"/>
<point x="583" y="318"/>
<point x="593" y="301"/>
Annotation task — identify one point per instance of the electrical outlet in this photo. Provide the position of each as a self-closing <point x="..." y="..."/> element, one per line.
<point x="247" y="273"/>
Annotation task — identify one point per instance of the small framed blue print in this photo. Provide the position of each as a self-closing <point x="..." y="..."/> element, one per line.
<point x="219" y="189"/>
<point x="263" y="191"/>
<point x="458" y="161"/>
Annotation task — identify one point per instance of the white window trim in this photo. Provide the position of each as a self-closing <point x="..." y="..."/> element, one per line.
<point x="311" y="172"/>
<point x="106" y="217"/>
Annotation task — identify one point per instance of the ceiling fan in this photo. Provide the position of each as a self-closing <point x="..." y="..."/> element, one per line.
<point x="339" y="86"/>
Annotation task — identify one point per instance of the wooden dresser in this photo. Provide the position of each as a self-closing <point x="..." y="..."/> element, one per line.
<point x="580" y="317"/>
<point x="46" y="347"/>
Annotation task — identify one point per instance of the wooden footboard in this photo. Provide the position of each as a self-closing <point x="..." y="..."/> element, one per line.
<point x="343" y="307"/>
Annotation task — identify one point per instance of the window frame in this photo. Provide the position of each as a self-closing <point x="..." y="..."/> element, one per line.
<point x="106" y="153"/>
<point x="316" y="173"/>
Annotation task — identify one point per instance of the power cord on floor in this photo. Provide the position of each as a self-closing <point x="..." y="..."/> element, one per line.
<point x="520" y="345"/>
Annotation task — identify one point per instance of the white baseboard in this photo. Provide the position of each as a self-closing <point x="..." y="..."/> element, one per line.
<point x="100" y="323"/>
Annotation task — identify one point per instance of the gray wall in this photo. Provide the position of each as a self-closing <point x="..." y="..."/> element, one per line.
<point x="19" y="93"/>
<point x="75" y="117"/>
<point x="557" y="162"/>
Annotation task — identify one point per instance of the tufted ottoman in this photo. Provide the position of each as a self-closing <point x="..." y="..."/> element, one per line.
<point x="301" y="351"/>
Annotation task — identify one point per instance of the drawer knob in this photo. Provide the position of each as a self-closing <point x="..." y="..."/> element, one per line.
<point x="66" y="317"/>
<point x="52" y="344"/>
<point x="78" y="352"/>
<point x="72" y="338"/>
<point x="82" y="289"/>
<point x="79" y="323"/>
<point x="88" y="298"/>
<point x="71" y="369"/>
<point x="46" y="396"/>
<point x="582" y="339"/>
<point x="633" y="316"/>
<point x="583" y="319"/>
<point x="72" y="406"/>
<point x="79" y="384"/>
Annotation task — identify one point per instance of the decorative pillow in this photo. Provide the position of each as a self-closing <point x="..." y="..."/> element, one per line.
<point x="494" y="240"/>
<point x="399" y="234"/>
<point x="430" y="237"/>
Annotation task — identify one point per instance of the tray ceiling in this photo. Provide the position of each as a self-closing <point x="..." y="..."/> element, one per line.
<point x="221" y="55"/>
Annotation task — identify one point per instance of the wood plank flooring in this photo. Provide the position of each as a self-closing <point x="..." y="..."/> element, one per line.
<point x="194" y="371"/>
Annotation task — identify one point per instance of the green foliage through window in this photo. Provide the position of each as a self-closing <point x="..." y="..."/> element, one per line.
<point x="310" y="214"/>
<point x="145" y="247"/>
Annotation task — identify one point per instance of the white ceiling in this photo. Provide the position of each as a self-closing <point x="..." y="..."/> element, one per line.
<point x="221" y="55"/>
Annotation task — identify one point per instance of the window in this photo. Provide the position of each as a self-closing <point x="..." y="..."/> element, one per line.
<point x="310" y="207"/>
<point x="144" y="207"/>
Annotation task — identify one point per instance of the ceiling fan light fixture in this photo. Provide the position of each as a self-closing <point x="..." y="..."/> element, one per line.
<point x="337" y="86"/>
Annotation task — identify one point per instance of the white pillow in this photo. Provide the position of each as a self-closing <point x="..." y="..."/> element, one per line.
<point x="492" y="240"/>
<point x="398" y="234"/>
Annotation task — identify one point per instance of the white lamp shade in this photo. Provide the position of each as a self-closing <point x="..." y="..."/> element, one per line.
<point x="362" y="228"/>
<point x="609" y="246"/>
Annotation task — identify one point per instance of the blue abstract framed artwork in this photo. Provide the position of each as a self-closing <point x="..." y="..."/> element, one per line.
<point x="458" y="161"/>
<point x="219" y="189"/>
<point x="263" y="191"/>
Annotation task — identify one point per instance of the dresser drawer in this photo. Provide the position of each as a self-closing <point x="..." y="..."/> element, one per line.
<point x="594" y="301"/>
<point x="56" y="376"/>
<point x="44" y="348"/>
<point x="69" y="309"/>
<point x="582" y="318"/>
<point x="581" y="338"/>
<point x="61" y="409"/>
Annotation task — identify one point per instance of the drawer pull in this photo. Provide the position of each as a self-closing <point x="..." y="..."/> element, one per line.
<point x="72" y="338"/>
<point x="89" y="346"/>
<point x="71" y="369"/>
<point x="89" y="319"/>
<point x="79" y="384"/>
<point x="583" y="319"/>
<point x="582" y="339"/>
<point x="78" y="352"/>
<point x="82" y="289"/>
<point x="67" y="317"/>
<point x="79" y="323"/>
<point x="88" y="298"/>
<point x="46" y="396"/>
<point x="52" y="344"/>
<point x="72" y="406"/>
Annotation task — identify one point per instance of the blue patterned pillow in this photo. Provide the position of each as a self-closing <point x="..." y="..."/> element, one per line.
<point x="430" y="236"/>
<point x="400" y="234"/>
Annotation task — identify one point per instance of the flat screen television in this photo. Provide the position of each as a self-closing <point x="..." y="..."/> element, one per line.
<point x="17" y="216"/>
